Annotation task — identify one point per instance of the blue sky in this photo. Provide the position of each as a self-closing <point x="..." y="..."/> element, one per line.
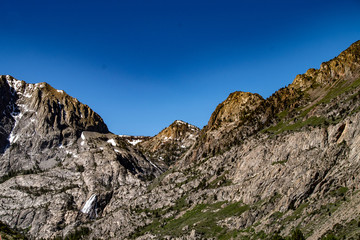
<point x="143" y="64"/>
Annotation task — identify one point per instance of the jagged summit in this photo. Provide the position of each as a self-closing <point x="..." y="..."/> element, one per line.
<point x="344" y="66"/>
<point x="177" y="131"/>
<point x="235" y="108"/>
<point x="171" y="143"/>
<point x="55" y="107"/>
<point x="244" y="114"/>
<point x="46" y="116"/>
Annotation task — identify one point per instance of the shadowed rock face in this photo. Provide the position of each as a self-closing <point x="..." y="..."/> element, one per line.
<point x="55" y="154"/>
<point x="260" y="166"/>
<point x="37" y="117"/>
<point x="8" y="110"/>
<point x="56" y="115"/>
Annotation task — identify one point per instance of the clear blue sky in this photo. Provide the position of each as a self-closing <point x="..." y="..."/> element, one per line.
<point x="143" y="64"/>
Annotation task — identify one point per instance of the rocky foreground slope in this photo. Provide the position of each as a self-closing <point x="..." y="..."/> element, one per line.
<point x="260" y="167"/>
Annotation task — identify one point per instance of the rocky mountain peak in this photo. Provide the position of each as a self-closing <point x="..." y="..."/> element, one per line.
<point x="51" y="109"/>
<point x="37" y="117"/>
<point x="176" y="132"/>
<point x="235" y="108"/>
<point x="168" y="145"/>
<point x="344" y="66"/>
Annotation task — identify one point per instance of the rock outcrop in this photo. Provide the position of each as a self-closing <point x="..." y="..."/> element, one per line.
<point x="236" y="108"/>
<point x="170" y="144"/>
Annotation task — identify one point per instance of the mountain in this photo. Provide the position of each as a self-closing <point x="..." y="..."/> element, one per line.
<point x="170" y="144"/>
<point x="307" y="91"/>
<point x="284" y="166"/>
<point x="57" y="154"/>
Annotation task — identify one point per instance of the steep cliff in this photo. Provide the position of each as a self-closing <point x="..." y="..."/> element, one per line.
<point x="57" y="153"/>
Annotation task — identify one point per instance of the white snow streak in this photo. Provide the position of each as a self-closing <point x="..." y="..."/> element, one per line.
<point x="83" y="139"/>
<point x="180" y="122"/>
<point x="167" y="138"/>
<point x="71" y="153"/>
<point x="112" y="141"/>
<point x="124" y="135"/>
<point x="13" y="137"/>
<point x="88" y="204"/>
<point x="154" y="165"/>
<point x="14" y="83"/>
<point x="135" y="141"/>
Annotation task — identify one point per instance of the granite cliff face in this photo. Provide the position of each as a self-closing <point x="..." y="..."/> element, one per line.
<point x="38" y="117"/>
<point x="56" y="154"/>
<point x="260" y="167"/>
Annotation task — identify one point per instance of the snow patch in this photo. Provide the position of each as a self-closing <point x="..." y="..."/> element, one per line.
<point x="40" y="85"/>
<point x="167" y="138"/>
<point x="13" y="137"/>
<point x="83" y="139"/>
<point x="116" y="150"/>
<point x="191" y="136"/>
<point x="72" y="154"/>
<point x="27" y="95"/>
<point x="60" y="91"/>
<point x="135" y="141"/>
<point x="89" y="204"/>
<point x="112" y="142"/>
<point x="14" y="83"/>
<point x="154" y="165"/>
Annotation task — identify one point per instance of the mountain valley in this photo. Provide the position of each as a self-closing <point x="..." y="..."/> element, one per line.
<point x="260" y="169"/>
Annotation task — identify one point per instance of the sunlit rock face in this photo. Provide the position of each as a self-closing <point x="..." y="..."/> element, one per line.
<point x="170" y="144"/>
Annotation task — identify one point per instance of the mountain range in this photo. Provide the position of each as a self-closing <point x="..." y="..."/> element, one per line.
<point x="272" y="168"/>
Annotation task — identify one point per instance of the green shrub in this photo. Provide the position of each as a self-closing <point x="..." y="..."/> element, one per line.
<point x="276" y="236"/>
<point x="297" y="235"/>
